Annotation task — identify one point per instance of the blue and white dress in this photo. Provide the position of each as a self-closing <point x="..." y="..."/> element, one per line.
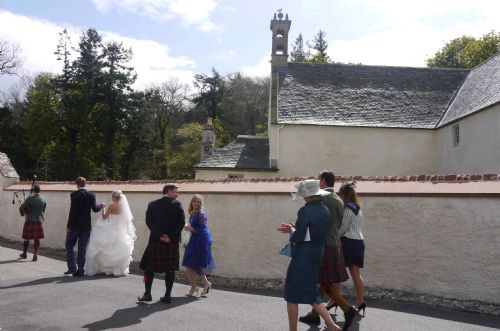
<point x="198" y="253"/>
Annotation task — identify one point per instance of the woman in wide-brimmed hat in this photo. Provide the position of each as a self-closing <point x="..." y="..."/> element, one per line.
<point x="308" y="245"/>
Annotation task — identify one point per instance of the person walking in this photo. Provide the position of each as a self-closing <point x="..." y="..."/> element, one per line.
<point x="308" y="245"/>
<point x="79" y="226"/>
<point x="165" y="220"/>
<point x="353" y="244"/>
<point x="333" y="271"/>
<point x="198" y="254"/>
<point x="33" y="209"/>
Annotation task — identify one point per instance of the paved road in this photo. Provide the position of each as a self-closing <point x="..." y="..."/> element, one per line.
<point x="34" y="296"/>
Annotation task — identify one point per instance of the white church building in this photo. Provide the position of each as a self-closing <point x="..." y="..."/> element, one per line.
<point x="366" y="120"/>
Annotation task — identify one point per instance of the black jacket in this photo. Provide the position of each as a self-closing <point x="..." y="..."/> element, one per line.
<point x="82" y="201"/>
<point x="165" y="216"/>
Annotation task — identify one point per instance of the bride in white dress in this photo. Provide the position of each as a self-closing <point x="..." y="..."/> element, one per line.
<point x="112" y="239"/>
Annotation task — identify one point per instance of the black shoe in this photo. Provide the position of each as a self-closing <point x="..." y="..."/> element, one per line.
<point x="310" y="319"/>
<point x="349" y="317"/>
<point x="166" y="300"/>
<point x="78" y="273"/>
<point x="35" y="258"/>
<point x="362" y="307"/>
<point x="69" y="272"/>
<point x="23" y="256"/>
<point x="145" y="298"/>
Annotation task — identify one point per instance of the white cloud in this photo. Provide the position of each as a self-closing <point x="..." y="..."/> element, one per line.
<point x="39" y="38"/>
<point x="261" y="69"/>
<point x="411" y="31"/>
<point x="190" y="12"/>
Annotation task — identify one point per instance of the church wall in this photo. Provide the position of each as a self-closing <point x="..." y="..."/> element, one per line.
<point x="479" y="148"/>
<point x="422" y="237"/>
<point x="305" y="150"/>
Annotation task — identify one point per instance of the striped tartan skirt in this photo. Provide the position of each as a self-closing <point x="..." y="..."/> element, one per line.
<point x="33" y="230"/>
<point x="160" y="257"/>
<point x="333" y="267"/>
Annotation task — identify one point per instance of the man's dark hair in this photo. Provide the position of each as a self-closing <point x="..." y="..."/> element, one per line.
<point x="81" y="182"/>
<point x="328" y="176"/>
<point x="168" y="188"/>
<point x="36" y="188"/>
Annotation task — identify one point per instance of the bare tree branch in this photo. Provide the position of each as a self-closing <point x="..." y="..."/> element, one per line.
<point x="10" y="58"/>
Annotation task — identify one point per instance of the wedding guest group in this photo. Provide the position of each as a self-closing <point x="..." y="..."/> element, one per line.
<point x="308" y="238"/>
<point x="33" y="209"/>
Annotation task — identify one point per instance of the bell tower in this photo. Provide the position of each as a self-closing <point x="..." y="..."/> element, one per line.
<point x="280" y="28"/>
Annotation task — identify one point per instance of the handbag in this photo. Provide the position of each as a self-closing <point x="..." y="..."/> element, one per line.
<point x="185" y="238"/>
<point x="286" y="250"/>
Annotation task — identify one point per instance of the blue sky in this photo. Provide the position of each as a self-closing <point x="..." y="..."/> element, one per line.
<point x="178" y="38"/>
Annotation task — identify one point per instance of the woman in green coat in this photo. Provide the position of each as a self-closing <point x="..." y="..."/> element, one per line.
<point x="308" y="244"/>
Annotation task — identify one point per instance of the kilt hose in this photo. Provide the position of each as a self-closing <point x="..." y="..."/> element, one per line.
<point x="32" y="230"/>
<point x="160" y="257"/>
<point x="333" y="267"/>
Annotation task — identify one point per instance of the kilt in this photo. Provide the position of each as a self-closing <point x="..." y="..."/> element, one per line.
<point x="354" y="251"/>
<point x="333" y="267"/>
<point x="33" y="230"/>
<point x="160" y="257"/>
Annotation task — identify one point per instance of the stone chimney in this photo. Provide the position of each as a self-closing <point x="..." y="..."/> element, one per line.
<point x="208" y="139"/>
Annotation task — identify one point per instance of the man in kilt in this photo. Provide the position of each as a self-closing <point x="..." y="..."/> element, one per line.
<point x="165" y="220"/>
<point x="33" y="208"/>
<point x="79" y="226"/>
<point x="333" y="271"/>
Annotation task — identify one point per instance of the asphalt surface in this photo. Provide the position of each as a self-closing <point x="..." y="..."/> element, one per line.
<point x="35" y="296"/>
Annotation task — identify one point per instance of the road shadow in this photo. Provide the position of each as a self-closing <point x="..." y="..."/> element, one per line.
<point x="15" y="261"/>
<point x="134" y="315"/>
<point x="54" y="280"/>
<point x="439" y="313"/>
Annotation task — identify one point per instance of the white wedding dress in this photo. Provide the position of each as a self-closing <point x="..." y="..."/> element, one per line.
<point x="111" y="243"/>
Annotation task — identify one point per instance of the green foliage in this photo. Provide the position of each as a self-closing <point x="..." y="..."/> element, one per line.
<point x="298" y="53"/>
<point x="88" y="121"/>
<point x="466" y="52"/>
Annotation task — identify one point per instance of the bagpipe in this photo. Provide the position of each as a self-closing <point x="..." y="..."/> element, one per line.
<point x="23" y="210"/>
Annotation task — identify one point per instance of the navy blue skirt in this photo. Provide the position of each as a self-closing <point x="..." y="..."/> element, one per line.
<point x="354" y="251"/>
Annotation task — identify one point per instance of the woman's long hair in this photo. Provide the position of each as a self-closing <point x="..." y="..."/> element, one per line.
<point x="349" y="194"/>
<point x="191" y="210"/>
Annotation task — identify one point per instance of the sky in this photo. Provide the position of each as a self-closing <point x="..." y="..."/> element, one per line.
<point x="175" y="39"/>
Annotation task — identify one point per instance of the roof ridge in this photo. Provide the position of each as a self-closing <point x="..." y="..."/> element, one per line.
<point x="373" y="66"/>
<point x="450" y="102"/>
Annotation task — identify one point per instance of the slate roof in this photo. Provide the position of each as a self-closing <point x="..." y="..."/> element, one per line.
<point x="360" y="95"/>
<point x="480" y="90"/>
<point x="6" y="168"/>
<point x="246" y="152"/>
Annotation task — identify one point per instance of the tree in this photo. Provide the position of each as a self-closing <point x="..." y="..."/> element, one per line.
<point x="211" y="92"/>
<point x="10" y="58"/>
<point x="188" y="154"/>
<point x="466" y="52"/>
<point x="319" y="46"/>
<point x="298" y="53"/>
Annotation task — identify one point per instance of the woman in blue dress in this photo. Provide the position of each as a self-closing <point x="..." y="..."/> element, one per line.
<point x="198" y="258"/>
<point x="307" y="237"/>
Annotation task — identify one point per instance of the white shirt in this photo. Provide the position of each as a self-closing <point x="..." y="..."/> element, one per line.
<point x="351" y="225"/>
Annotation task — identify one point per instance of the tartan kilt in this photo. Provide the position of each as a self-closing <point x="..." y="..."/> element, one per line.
<point x="160" y="257"/>
<point x="333" y="267"/>
<point x="33" y="230"/>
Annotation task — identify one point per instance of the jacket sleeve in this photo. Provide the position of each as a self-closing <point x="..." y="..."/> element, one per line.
<point x="152" y="225"/>
<point x="300" y="228"/>
<point x="72" y="212"/>
<point x="95" y="207"/>
<point x="179" y="222"/>
<point x="345" y="221"/>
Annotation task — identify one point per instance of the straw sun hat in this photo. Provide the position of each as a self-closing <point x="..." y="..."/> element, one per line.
<point x="308" y="188"/>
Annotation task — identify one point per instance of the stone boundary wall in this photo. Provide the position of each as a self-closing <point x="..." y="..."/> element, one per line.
<point x="421" y="237"/>
<point x="436" y="178"/>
